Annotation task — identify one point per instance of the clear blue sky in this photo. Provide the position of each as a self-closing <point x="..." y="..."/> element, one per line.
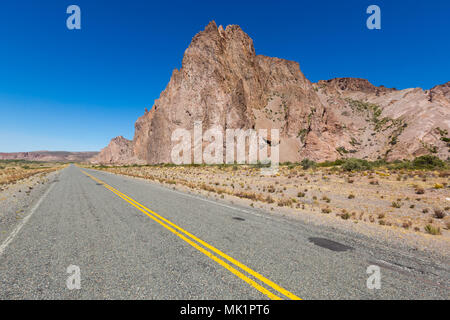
<point x="75" y="90"/>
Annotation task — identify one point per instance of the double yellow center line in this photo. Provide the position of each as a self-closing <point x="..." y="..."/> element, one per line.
<point x="196" y="242"/>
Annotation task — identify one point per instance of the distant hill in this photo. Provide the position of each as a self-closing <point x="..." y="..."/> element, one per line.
<point x="57" y="156"/>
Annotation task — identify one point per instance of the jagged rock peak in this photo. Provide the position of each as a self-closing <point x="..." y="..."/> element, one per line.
<point x="444" y="89"/>
<point x="213" y="36"/>
<point x="120" y="139"/>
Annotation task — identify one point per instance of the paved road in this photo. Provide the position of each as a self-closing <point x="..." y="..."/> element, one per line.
<point x="150" y="242"/>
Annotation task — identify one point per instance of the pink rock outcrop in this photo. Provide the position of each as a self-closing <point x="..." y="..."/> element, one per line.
<point x="223" y="82"/>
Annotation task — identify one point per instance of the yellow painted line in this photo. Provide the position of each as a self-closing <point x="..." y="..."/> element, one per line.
<point x="150" y="213"/>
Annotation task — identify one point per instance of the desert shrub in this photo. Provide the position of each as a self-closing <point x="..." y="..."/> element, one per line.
<point x="432" y="230"/>
<point x="306" y="164"/>
<point x="284" y="202"/>
<point x="428" y="162"/>
<point x="260" y="164"/>
<point x="444" y="174"/>
<point x="378" y="163"/>
<point x="420" y="191"/>
<point x="247" y="195"/>
<point x="353" y="164"/>
<point x="341" y="150"/>
<point x="396" y="204"/>
<point x="345" y="216"/>
<point x="438" y="213"/>
<point x="331" y="163"/>
<point x="269" y="199"/>
<point x="406" y="225"/>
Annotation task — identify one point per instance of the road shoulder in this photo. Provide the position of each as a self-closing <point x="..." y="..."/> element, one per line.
<point x="17" y="200"/>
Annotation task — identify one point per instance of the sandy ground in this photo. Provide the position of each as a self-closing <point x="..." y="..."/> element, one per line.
<point x="21" y="184"/>
<point x="17" y="198"/>
<point x="393" y="206"/>
<point x="12" y="172"/>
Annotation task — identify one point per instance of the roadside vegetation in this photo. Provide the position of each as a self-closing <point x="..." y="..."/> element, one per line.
<point x="12" y="171"/>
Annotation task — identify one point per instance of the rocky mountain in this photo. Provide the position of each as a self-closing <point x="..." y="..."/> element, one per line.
<point x="52" y="156"/>
<point x="118" y="151"/>
<point x="223" y="82"/>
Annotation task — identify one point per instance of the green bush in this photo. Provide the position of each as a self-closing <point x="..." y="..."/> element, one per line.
<point x="353" y="164"/>
<point x="428" y="162"/>
<point x="331" y="163"/>
<point x="260" y="164"/>
<point x="397" y="164"/>
<point x="306" y="164"/>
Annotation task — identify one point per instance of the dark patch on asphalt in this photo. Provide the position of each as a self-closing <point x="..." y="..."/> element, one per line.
<point x="99" y="184"/>
<point x="329" y="244"/>
<point x="238" y="219"/>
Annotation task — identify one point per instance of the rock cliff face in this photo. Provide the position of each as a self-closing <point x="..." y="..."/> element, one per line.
<point x="223" y="82"/>
<point x="119" y="151"/>
<point x="390" y="123"/>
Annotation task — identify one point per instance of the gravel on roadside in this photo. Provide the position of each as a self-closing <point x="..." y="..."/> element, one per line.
<point x="17" y="199"/>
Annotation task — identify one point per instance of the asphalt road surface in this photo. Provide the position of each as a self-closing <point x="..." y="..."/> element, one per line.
<point x="132" y="239"/>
